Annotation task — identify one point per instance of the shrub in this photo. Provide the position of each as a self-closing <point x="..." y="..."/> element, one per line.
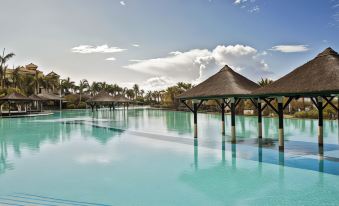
<point x="82" y="105"/>
<point x="70" y="106"/>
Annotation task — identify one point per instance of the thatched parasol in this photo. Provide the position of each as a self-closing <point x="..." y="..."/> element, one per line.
<point x="225" y="83"/>
<point x="102" y="97"/>
<point x="35" y="97"/>
<point x="122" y="99"/>
<point x="15" y="97"/>
<point x="320" y="76"/>
<point x="50" y="97"/>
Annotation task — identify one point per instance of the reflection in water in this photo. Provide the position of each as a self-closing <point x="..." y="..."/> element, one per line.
<point x="196" y="158"/>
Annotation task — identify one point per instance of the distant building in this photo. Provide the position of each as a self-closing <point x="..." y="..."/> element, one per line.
<point x="32" y="70"/>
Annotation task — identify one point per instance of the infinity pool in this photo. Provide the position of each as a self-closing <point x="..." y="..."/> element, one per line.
<point x="148" y="157"/>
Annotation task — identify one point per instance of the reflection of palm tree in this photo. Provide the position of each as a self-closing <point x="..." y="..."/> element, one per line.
<point x="4" y="164"/>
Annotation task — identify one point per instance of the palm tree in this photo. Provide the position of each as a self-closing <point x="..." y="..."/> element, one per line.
<point x="3" y="60"/>
<point x="136" y="90"/>
<point x="264" y="82"/>
<point x="16" y="77"/>
<point x="67" y="85"/>
<point x="130" y="93"/>
<point x="82" y="85"/>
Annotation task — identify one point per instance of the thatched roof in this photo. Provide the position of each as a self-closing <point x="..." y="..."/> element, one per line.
<point x="120" y="98"/>
<point x="319" y="76"/>
<point x="35" y="97"/>
<point x="15" y="97"/>
<point x="50" y="97"/>
<point x="102" y="97"/>
<point x="225" y="83"/>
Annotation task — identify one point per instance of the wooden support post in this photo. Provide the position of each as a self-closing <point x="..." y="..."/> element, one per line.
<point x="320" y="122"/>
<point x="281" y="123"/>
<point x="223" y="118"/>
<point x="233" y="120"/>
<point x="9" y="108"/>
<point x="195" y="112"/>
<point x="259" y="119"/>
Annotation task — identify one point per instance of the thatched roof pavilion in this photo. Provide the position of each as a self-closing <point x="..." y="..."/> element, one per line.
<point x="102" y="97"/>
<point x="15" y="97"/>
<point x="122" y="99"/>
<point x="320" y="76"/>
<point x="50" y="97"/>
<point x="35" y="97"/>
<point x="225" y="83"/>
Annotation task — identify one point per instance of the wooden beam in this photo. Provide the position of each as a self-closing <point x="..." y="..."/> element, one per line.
<point x="329" y="102"/>
<point x="255" y="103"/>
<point x="288" y="102"/>
<point x="184" y="102"/>
<point x="269" y="104"/>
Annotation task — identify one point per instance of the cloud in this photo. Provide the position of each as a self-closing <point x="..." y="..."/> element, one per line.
<point x="111" y="59"/>
<point x="136" y="45"/>
<point x="158" y="83"/>
<point x="88" y="49"/>
<point x="290" y="48"/>
<point x="123" y="3"/>
<point x="251" y="4"/>
<point x="254" y="9"/>
<point x="197" y="65"/>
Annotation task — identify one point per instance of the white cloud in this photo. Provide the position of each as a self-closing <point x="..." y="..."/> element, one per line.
<point x="158" y="83"/>
<point x="254" y="9"/>
<point x="123" y="3"/>
<point x="198" y="64"/>
<point x="136" y="45"/>
<point x="290" y="48"/>
<point x="88" y="49"/>
<point x="111" y="59"/>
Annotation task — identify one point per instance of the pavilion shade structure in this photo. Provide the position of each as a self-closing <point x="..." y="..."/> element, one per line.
<point x="17" y="97"/>
<point x="35" y="97"/>
<point x="50" y="97"/>
<point x="318" y="77"/>
<point x="122" y="99"/>
<point x="226" y="83"/>
<point x="102" y="97"/>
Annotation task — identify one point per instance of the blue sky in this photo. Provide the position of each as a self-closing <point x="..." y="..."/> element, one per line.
<point x="156" y="43"/>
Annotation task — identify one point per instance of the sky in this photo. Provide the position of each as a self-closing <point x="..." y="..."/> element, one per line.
<point x="156" y="43"/>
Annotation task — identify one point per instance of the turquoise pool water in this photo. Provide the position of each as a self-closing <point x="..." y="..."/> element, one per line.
<point x="148" y="157"/>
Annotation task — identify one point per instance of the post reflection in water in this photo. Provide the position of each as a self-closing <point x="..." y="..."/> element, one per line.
<point x="196" y="167"/>
<point x="234" y="155"/>
<point x="223" y="149"/>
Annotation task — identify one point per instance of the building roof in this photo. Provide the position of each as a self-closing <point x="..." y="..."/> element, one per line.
<point x="319" y="76"/>
<point x="15" y="97"/>
<point x="52" y="73"/>
<point x="31" y="66"/>
<point x="50" y="97"/>
<point x="225" y="83"/>
<point x="121" y="98"/>
<point x="102" y="97"/>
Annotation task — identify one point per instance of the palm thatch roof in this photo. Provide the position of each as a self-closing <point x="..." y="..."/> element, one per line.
<point x="50" y="97"/>
<point x="122" y="99"/>
<point x="102" y="97"/>
<point x="320" y="76"/>
<point x="15" y="97"/>
<point x="35" y="97"/>
<point x="225" y="83"/>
